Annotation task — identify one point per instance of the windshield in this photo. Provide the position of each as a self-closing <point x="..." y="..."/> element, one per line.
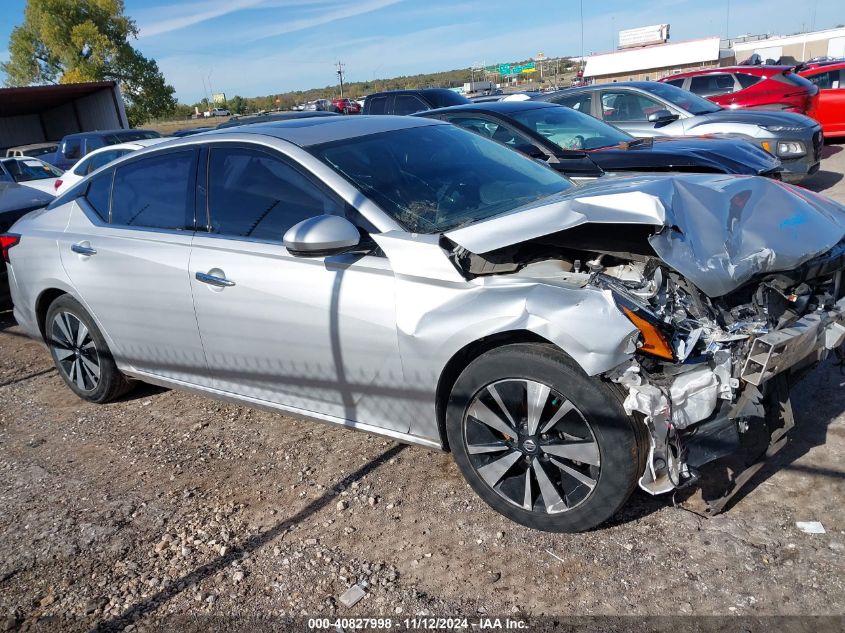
<point x="681" y="98"/>
<point x="435" y="178"/>
<point x="30" y="169"/>
<point x="570" y="129"/>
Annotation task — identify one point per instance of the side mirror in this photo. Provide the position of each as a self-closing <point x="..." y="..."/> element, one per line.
<point x="321" y="236"/>
<point x="661" y="116"/>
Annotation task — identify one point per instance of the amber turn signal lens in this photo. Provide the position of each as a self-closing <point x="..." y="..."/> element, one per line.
<point x="766" y="146"/>
<point x="653" y="341"/>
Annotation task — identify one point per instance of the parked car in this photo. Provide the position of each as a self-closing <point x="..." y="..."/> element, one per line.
<point x="216" y="112"/>
<point x="403" y="276"/>
<point x="409" y="101"/>
<point x="74" y="146"/>
<point x="189" y="131"/>
<point x="649" y="108"/>
<point x="764" y="87"/>
<point x="29" y="172"/>
<point x="579" y="146"/>
<point x="273" y="116"/>
<point x="319" y="105"/>
<point x="34" y="150"/>
<point x="346" y="106"/>
<point x="830" y="110"/>
<point x="96" y="159"/>
<point x="15" y="202"/>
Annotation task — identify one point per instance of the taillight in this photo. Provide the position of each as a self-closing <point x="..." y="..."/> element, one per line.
<point x="7" y="241"/>
<point x="57" y="184"/>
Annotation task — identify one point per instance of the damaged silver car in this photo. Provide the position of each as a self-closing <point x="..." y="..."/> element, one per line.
<point x="408" y="278"/>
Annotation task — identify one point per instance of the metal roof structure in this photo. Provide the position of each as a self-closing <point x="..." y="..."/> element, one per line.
<point x="656" y="56"/>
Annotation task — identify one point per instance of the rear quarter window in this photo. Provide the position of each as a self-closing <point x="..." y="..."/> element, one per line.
<point x="746" y="81"/>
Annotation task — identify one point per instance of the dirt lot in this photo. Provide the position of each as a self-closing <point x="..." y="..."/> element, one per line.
<point x="166" y="503"/>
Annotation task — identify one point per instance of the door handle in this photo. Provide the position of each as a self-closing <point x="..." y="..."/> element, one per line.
<point x="83" y="248"/>
<point x="211" y="280"/>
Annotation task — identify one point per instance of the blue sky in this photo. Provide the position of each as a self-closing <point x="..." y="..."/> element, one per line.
<point x="259" y="47"/>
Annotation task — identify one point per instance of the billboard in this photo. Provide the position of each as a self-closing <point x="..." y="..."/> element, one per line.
<point x="218" y="98"/>
<point x="644" y="36"/>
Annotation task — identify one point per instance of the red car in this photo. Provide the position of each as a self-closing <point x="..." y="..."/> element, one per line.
<point x="830" y="109"/>
<point x="763" y="87"/>
<point x="347" y="106"/>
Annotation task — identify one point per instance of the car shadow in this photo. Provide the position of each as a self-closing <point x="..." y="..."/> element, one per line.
<point x="831" y="149"/>
<point x="197" y="575"/>
<point x="822" y="180"/>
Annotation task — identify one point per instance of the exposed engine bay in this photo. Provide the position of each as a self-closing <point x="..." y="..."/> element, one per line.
<point x="726" y="327"/>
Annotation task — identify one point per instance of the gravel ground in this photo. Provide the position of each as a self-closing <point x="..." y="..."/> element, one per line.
<point x="169" y="505"/>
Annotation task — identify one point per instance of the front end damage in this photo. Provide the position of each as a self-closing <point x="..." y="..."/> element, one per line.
<point x="735" y="285"/>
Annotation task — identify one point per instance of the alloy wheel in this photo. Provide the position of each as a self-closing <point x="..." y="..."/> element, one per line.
<point x="531" y="446"/>
<point x="75" y="351"/>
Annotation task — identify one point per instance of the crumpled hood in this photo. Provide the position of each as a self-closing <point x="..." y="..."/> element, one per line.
<point x="716" y="230"/>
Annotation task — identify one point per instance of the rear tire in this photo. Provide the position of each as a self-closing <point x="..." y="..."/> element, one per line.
<point x="80" y="353"/>
<point x="540" y="441"/>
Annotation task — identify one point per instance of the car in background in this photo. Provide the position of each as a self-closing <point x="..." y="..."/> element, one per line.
<point x="346" y="106"/>
<point x="579" y="146"/>
<point x="75" y="146"/>
<point x="216" y="112"/>
<point x="15" y="202"/>
<point x="319" y="105"/>
<point x="273" y="116"/>
<point x="650" y="108"/>
<point x="830" y="109"/>
<point x="96" y="159"/>
<point x="30" y="172"/>
<point x="33" y="149"/>
<point x="763" y="87"/>
<point x="402" y="102"/>
<point x="190" y="131"/>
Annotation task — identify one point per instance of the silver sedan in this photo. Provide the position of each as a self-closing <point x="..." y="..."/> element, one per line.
<point x="408" y="278"/>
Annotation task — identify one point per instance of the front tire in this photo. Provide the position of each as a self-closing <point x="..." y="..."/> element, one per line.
<point x="540" y="441"/>
<point x="80" y="353"/>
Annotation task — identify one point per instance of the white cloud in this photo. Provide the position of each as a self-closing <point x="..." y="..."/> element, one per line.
<point x="185" y="15"/>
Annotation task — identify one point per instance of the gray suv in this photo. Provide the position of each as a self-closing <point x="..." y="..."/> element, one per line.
<point x="648" y="108"/>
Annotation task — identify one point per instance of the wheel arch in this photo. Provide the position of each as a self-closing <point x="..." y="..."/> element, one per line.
<point x="42" y="305"/>
<point x="463" y="357"/>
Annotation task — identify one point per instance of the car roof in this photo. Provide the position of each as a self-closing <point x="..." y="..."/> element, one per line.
<point x="116" y="132"/>
<point x="133" y="145"/>
<point x="34" y="146"/>
<point x="503" y="107"/>
<point x="821" y="68"/>
<point x="317" y="130"/>
<point x="252" y="119"/>
<point x="759" y="69"/>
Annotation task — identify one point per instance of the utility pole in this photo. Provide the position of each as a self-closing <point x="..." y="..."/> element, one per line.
<point x="340" y="66"/>
<point x="728" y="24"/>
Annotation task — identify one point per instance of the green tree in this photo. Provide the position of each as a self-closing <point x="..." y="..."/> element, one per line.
<point x="237" y="105"/>
<point x="69" y="41"/>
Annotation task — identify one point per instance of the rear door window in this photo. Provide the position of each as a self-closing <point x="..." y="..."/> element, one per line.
<point x="255" y="195"/>
<point x="581" y="102"/>
<point x="829" y="80"/>
<point x="746" y="81"/>
<point x="72" y="149"/>
<point x="103" y="158"/>
<point x="155" y="192"/>
<point x="678" y="83"/>
<point x="712" y="85"/>
<point x="627" y="106"/>
<point x="376" y="105"/>
<point x="491" y="129"/>
<point x="408" y="104"/>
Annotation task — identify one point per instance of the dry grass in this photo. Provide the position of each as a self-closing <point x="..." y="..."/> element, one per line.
<point x="168" y="127"/>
